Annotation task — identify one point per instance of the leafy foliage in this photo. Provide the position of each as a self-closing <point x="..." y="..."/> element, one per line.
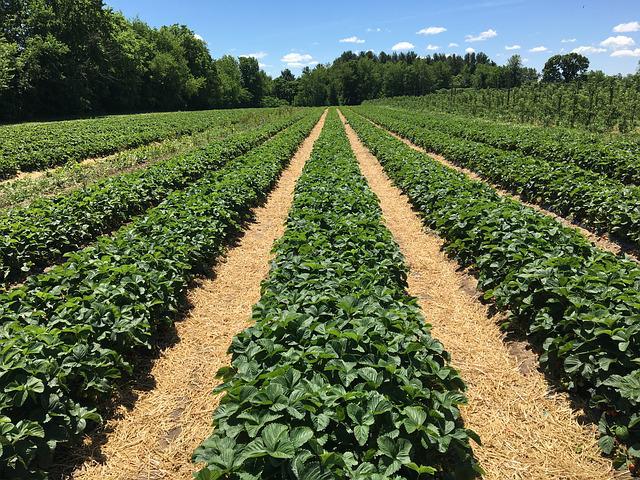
<point x="578" y="304"/>
<point x="20" y="192"/>
<point x="595" y="102"/>
<point x="66" y="334"/>
<point x="616" y="156"/>
<point x="34" y="236"/>
<point x="597" y="202"/>
<point x="339" y="377"/>
<point x="36" y="146"/>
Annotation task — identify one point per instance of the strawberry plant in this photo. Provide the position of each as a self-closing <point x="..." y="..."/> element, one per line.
<point x="588" y="198"/>
<point x="339" y="377"/>
<point x="36" y="146"/>
<point x="615" y="156"/>
<point x="578" y="304"/>
<point x="67" y="335"/>
<point x="35" y="236"/>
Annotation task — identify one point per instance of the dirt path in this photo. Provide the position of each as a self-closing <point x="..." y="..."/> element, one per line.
<point x="602" y="241"/>
<point x="155" y="440"/>
<point x="527" y="432"/>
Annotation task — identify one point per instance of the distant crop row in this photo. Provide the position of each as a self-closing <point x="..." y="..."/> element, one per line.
<point x="577" y="303"/>
<point x="599" y="203"/>
<point x="595" y="102"/>
<point x="339" y="378"/>
<point x="615" y="156"/>
<point x="33" y="237"/>
<point x="36" y="146"/>
<point x="66" y="335"/>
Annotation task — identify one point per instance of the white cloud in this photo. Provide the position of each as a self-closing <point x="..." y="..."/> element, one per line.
<point x="256" y="55"/>
<point x="512" y="47"/>
<point x="525" y="60"/>
<point x="541" y="48"/>
<point x="374" y="29"/>
<point x="568" y="40"/>
<point x="432" y="47"/>
<point x="483" y="36"/>
<point x="453" y="44"/>
<point x="403" y="46"/>
<point x="627" y="27"/>
<point x="352" y="39"/>
<point x="618" y="42"/>
<point x="298" y="60"/>
<point x="263" y="65"/>
<point x="469" y="50"/>
<point x="198" y="37"/>
<point x="431" y="31"/>
<point x="588" y="49"/>
<point x="626" y="53"/>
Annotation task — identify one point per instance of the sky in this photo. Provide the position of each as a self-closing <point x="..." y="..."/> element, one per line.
<point x="293" y="34"/>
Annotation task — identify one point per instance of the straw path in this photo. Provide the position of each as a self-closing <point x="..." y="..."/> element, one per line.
<point x="155" y="440"/>
<point x="603" y="241"/>
<point x="527" y="432"/>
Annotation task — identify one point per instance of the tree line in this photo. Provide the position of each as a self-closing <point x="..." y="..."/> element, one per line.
<point x="75" y="57"/>
<point x="353" y="78"/>
<point x="63" y="58"/>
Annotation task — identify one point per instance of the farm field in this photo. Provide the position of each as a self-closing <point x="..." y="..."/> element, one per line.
<point x="36" y="146"/>
<point x="368" y="344"/>
<point x="319" y="241"/>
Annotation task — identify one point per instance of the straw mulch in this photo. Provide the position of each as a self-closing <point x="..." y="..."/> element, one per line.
<point x="527" y="432"/>
<point x="155" y="440"/>
<point x="603" y="241"/>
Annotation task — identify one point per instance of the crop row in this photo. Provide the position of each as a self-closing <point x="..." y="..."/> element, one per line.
<point x="36" y="146"/>
<point x="339" y="377"/>
<point x="66" y="334"/>
<point x="580" y="305"/>
<point x="33" y="237"/>
<point x="72" y="176"/>
<point x="611" y="155"/>
<point x="599" y="203"/>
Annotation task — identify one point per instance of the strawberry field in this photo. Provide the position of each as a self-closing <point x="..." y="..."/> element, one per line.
<point x="338" y="373"/>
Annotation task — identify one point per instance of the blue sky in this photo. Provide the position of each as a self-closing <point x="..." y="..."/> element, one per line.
<point x="297" y="33"/>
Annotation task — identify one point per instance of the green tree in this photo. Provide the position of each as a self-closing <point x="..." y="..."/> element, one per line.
<point x="232" y="93"/>
<point x="514" y="71"/>
<point x="285" y="86"/>
<point x="564" y="68"/>
<point x="251" y="80"/>
<point x="573" y="66"/>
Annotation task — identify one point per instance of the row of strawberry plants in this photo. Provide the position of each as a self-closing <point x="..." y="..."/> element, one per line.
<point x="33" y="237"/>
<point x="580" y="305"/>
<point x="339" y="377"/>
<point x="588" y="198"/>
<point x="610" y="155"/>
<point x="66" y="335"/>
<point x="35" y="146"/>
